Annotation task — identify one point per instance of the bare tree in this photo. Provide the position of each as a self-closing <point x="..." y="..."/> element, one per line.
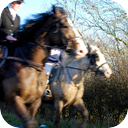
<point x="99" y="18"/>
<point x="105" y="23"/>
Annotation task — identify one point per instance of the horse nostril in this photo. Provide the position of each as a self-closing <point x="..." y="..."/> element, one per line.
<point x="81" y="51"/>
<point x="108" y="74"/>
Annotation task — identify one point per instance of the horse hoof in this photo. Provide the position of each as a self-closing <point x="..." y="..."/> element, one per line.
<point x="31" y="124"/>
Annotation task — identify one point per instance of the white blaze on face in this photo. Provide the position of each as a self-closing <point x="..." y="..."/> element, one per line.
<point x="81" y="50"/>
<point x="105" y="67"/>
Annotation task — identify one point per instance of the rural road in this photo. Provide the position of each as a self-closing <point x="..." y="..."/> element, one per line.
<point x="3" y="125"/>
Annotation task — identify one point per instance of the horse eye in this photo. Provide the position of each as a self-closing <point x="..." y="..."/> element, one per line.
<point x="63" y="25"/>
<point x="92" y="61"/>
<point x="95" y="56"/>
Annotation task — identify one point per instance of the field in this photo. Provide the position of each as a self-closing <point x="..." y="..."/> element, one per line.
<point x="14" y="120"/>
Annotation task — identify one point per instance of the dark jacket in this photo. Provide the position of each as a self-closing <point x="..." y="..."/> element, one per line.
<point x="7" y="25"/>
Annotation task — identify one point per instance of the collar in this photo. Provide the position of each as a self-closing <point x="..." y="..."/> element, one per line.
<point x="12" y="11"/>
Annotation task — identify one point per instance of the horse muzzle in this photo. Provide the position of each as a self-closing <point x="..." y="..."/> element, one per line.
<point x="108" y="73"/>
<point x="104" y="74"/>
<point x="80" y="53"/>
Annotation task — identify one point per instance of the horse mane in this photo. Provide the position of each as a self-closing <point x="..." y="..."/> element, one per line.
<point x="31" y="26"/>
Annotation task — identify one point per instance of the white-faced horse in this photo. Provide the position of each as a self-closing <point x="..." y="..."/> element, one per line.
<point x="68" y="88"/>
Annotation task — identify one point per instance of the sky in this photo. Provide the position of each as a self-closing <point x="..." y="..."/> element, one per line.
<point x="31" y="7"/>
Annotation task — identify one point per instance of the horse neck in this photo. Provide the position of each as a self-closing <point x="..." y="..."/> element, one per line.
<point x="81" y="64"/>
<point x="34" y="53"/>
<point x="39" y="55"/>
<point x="76" y="69"/>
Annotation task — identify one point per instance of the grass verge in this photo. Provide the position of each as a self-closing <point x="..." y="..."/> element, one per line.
<point x="14" y="120"/>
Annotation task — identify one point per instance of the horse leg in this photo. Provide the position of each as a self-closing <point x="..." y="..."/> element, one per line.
<point x="34" y="107"/>
<point x="58" y="109"/>
<point x="79" y="105"/>
<point x="22" y="112"/>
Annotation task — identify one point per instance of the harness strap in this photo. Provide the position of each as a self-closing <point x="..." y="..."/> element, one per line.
<point x="75" y="68"/>
<point x="22" y="60"/>
<point x="5" y="54"/>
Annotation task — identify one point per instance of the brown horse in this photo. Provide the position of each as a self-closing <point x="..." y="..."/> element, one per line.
<point x="68" y="88"/>
<point x="22" y="80"/>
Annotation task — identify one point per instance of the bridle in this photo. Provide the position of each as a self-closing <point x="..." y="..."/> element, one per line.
<point x="62" y="36"/>
<point x="58" y="29"/>
<point x="97" y="69"/>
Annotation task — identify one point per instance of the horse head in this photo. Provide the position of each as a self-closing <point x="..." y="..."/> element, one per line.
<point x="61" y="31"/>
<point x="98" y="62"/>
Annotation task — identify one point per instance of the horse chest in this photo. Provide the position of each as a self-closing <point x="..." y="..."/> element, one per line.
<point x="30" y="99"/>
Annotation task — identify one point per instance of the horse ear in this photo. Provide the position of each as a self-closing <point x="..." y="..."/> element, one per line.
<point x="88" y="45"/>
<point x="89" y="48"/>
<point x="56" y="11"/>
<point x="99" y="46"/>
<point x="54" y="8"/>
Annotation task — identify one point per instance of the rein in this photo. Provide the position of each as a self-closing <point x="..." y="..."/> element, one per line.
<point x="75" y="68"/>
<point x="34" y="65"/>
<point x="33" y="43"/>
<point x="22" y="60"/>
<point x="48" y="46"/>
<point x="37" y="66"/>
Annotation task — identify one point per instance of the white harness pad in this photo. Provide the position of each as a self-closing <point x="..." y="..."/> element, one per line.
<point x="48" y="67"/>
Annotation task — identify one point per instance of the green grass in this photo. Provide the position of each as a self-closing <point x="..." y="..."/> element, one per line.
<point x="14" y="120"/>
